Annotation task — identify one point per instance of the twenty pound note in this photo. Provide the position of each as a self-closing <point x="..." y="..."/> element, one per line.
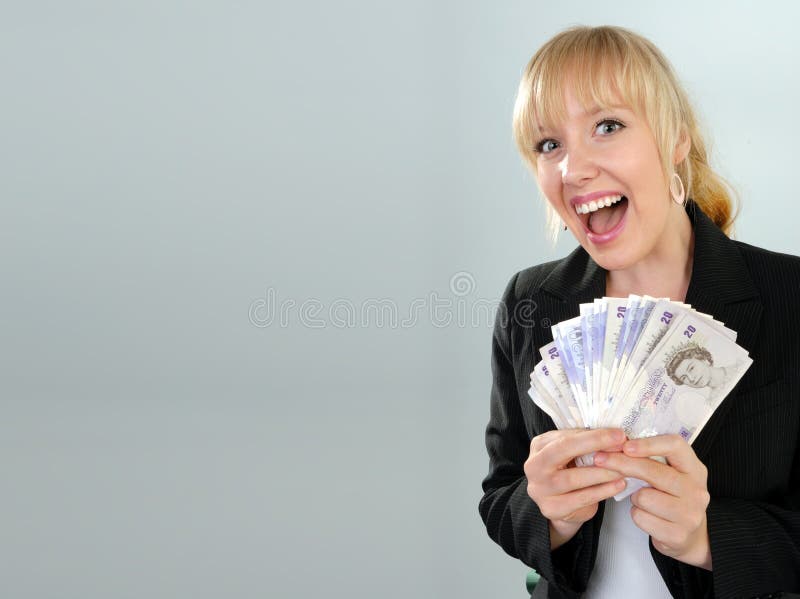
<point x="645" y="365"/>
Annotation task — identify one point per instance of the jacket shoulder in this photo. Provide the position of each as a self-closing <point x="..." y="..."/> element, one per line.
<point x="528" y="281"/>
<point x="770" y="270"/>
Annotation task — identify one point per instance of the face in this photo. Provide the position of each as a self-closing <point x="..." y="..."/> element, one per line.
<point x="600" y="170"/>
<point x="693" y="372"/>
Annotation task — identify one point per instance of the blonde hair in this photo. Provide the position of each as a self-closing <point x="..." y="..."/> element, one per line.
<point x="607" y="64"/>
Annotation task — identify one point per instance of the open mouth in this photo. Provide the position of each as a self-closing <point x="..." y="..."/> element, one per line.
<point x="603" y="216"/>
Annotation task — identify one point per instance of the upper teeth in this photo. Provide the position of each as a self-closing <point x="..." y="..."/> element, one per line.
<point x="595" y="205"/>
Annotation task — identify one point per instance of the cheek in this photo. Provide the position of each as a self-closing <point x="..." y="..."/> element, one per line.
<point x="648" y="167"/>
<point x="550" y="184"/>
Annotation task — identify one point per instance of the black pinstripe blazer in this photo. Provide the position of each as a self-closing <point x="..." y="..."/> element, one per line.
<point x="750" y="445"/>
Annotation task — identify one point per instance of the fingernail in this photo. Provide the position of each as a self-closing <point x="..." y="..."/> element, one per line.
<point x="631" y="447"/>
<point x="621" y="484"/>
<point x="600" y="458"/>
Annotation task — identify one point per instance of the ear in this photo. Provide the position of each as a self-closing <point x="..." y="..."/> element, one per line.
<point x="682" y="147"/>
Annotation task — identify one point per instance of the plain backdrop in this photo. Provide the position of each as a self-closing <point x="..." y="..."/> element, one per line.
<point x="172" y="171"/>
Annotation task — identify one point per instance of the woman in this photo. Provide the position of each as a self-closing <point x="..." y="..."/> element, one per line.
<point x="612" y="140"/>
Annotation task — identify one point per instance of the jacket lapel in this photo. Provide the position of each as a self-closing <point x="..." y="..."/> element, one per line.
<point x="576" y="279"/>
<point x="721" y="285"/>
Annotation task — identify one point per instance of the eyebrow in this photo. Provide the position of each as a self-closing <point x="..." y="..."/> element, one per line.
<point x="591" y="111"/>
<point x="595" y="109"/>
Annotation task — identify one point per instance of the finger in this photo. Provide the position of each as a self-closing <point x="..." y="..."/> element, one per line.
<point x="559" y="452"/>
<point x="664" y="533"/>
<point x="661" y="476"/>
<point x="655" y="502"/>
<point x="571" y="479"/>
<point x="540" y="441"/>
<point x="570" y="503"/>
<point x="673" y="447"/>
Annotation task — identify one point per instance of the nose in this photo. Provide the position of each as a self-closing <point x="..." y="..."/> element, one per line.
<point x="578" y="166"/>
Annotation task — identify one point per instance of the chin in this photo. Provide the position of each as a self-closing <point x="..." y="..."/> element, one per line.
<point x="611" y="260"/>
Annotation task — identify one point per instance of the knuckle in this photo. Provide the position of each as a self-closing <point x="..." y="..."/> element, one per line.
<point x="539" y="441"/>
<point x="562" y="444"/>
<point x="608" y="438"/>
<point x="571" y="478"/>
<point x="660" y="547"/>
<point x="529" y="466"/>
<point x="644" y="498"/>
<point x="585" y="497"/>
<point x="551" y="480"/>
<point x="533" y="491"/>
<point x="579" y="499"/>
<point x="546" y="508"/>
<point x="673" y="479"/>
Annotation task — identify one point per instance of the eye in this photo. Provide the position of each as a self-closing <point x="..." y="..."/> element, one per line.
<point x="546" y="146"/>
<point x="608" y="126"/>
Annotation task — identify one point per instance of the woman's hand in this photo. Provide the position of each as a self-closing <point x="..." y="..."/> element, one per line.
<point x="673" y="511"/>
<point x="568" y="496"/>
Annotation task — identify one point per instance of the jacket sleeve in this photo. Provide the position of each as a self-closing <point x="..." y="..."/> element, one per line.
<point x="512" y="518"/>
<point x="755" y="549"/>
<point x="755" y="546"/>
<point x="755" y="542"/>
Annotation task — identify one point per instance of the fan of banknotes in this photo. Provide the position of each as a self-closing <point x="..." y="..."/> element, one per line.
<point x="649" y="366"/>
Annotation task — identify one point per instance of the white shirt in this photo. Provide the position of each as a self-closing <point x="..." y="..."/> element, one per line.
<point x="624" y="566"/>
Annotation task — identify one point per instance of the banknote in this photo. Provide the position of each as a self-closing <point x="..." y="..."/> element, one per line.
<point x="568" y="339"/>
<point x="615" y="314"/>
<point x="690" y="372"/>
<point x="590" y="339"/>
<point x="630" y="309"/>
<point x="544" y="376"/>
<point x="601" y="310"/>
<point x="662" y="315"/>
<point x="649" y="366"/>
<point x="682" y="383"/>
<point x="638" y="319"/>
<point x="598" y="335"/>
<point x="551" y="360"/>
<point x="548" y="405"/>
<point x="637" y="322"/>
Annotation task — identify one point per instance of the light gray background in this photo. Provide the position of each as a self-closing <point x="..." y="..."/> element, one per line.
<point x="165" y="164"/>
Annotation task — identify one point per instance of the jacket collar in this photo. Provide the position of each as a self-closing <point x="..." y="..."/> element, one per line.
<point x="720" y="275"/>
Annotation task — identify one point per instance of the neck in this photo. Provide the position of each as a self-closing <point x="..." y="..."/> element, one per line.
<point x="666" y="272"/>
